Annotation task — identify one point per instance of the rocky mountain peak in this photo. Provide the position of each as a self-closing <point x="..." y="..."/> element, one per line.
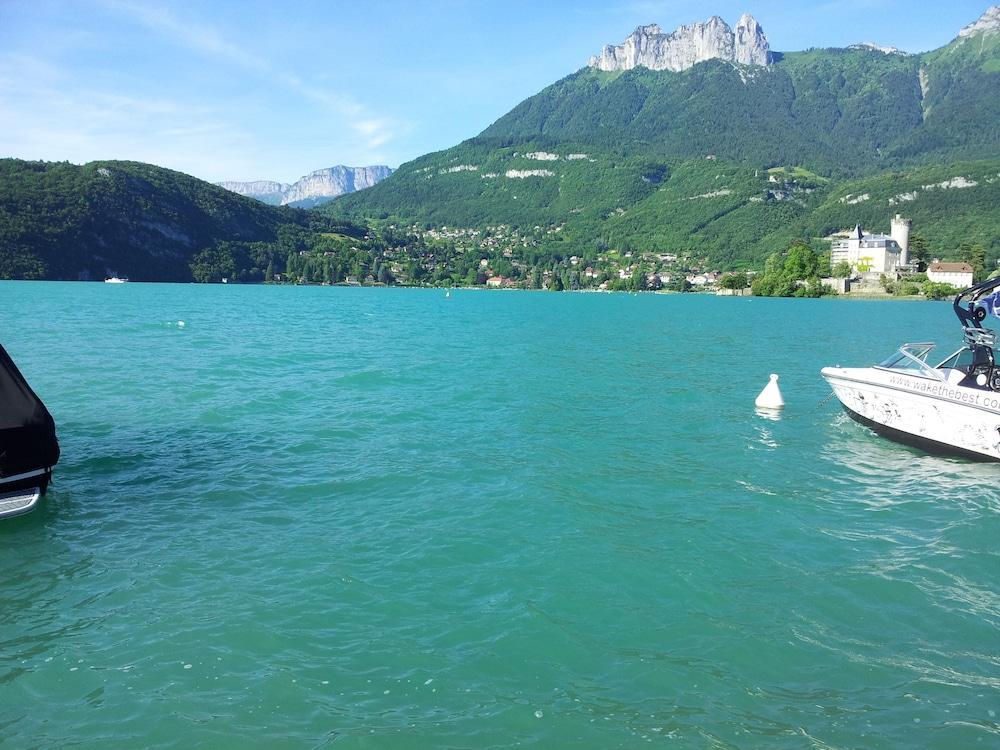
<point x="988" y="23"/>
<point x="316" y="187"/>
<point x="649" y="47"/>
<point x="325" y="184"/>
<point x="751" y="45"/>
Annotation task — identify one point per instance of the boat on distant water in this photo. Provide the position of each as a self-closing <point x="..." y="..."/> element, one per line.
<point x="952" y="407"/>
<point x="115" y="280"/>
<point x="28" y="445"/>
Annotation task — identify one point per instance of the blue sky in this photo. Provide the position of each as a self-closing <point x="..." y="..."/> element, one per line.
<point x="265" y="90"/>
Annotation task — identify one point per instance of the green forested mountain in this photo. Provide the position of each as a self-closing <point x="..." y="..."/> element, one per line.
<point x="727" y="160"/>
<point x="62" y="221"/>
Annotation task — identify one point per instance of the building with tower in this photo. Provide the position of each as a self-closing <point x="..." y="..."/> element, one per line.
<point x="901" y="233"/>
<point x="874" y="253"/>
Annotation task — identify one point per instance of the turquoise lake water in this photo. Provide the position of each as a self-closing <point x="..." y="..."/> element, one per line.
<point x="371" y="518"/>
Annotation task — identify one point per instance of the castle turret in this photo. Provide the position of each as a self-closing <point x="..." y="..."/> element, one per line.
<point x="901" y="233"/>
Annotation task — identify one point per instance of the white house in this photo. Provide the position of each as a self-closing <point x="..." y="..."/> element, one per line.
<point x="868" y="253"/>
<point x="957" y="274"/>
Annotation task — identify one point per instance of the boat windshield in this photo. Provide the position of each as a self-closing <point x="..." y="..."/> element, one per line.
<point x="963" y="359"/>
<point x="913" y="359"/>
<point x="909" y="357"/>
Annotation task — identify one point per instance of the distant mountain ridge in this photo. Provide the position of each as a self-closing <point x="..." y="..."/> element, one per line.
<point x="266" y="191"/>
<point x="315" y="188"/>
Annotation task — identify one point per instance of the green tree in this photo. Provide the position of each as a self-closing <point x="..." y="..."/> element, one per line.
<point x="823" y="269"/>
<point x="918" y="250"/>
<point x="774" y="264"/>
<point x="415" y="272"/>
<point x="975" y="256"/>
<point x="213" y="264"/>
<point x="784" y="271"/>
<point x="813" y="288"/>
<point x="292" y="268"/>
<point x="638" y="280"/>
<point x="800" y="261"/>
<point x="842" y="269"/>
<point x="678" y="283"/>
<point x="936" y="290"/>
<point x="773" y="285"/>
<point x="20" y="264"/>
<point x="736" y="280"/>
<point x="502" y="267"/>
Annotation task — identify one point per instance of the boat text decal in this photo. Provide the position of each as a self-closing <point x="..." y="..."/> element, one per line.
<point x="961" y="395"/>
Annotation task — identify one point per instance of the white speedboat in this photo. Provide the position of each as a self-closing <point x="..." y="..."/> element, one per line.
<point x="952" y="406"/>
<point x="115" y="280"/>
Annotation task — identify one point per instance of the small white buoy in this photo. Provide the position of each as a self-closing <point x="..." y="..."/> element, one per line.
<point x="770" y="397"/>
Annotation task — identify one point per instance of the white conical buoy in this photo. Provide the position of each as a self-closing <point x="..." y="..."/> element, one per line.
<point x="770" y="397"/>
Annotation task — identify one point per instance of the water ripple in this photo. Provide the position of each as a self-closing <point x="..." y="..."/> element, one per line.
<point x="316" y="517"/>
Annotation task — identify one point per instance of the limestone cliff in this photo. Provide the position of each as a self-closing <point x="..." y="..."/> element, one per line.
<point x="263" y="190"/>
<point x="988" y="23"/>
<point x="649" y="47"/>
<point x="326" y="184"/>
<point x="315" y="188"/>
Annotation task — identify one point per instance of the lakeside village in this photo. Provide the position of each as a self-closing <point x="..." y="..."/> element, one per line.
<point x="858" y="263"/>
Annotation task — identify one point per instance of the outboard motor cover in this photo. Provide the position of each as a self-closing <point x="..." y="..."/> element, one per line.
<point x="27" y="431"/>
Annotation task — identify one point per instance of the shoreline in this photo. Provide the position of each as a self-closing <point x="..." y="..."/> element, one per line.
<point x="661" y="292"/>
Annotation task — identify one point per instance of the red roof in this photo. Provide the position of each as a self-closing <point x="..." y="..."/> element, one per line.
<point x="950" y="268"/>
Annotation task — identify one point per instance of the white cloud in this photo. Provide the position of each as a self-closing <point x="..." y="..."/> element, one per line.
<point x="376" y="131"/>
<point x="188" y="33"/>
<point x="279" y="125"/>
<point x="44" y="113"/>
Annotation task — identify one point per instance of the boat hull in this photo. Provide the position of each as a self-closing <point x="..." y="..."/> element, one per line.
<point x="915" y="441"/>
<point x="935" y="416"/>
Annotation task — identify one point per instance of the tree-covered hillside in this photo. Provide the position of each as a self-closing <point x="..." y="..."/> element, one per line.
<point x="834" y="110"/>
<point x="726" y="160"/>
<point x="62" y="221"/>
<point x="841" y="112"/>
